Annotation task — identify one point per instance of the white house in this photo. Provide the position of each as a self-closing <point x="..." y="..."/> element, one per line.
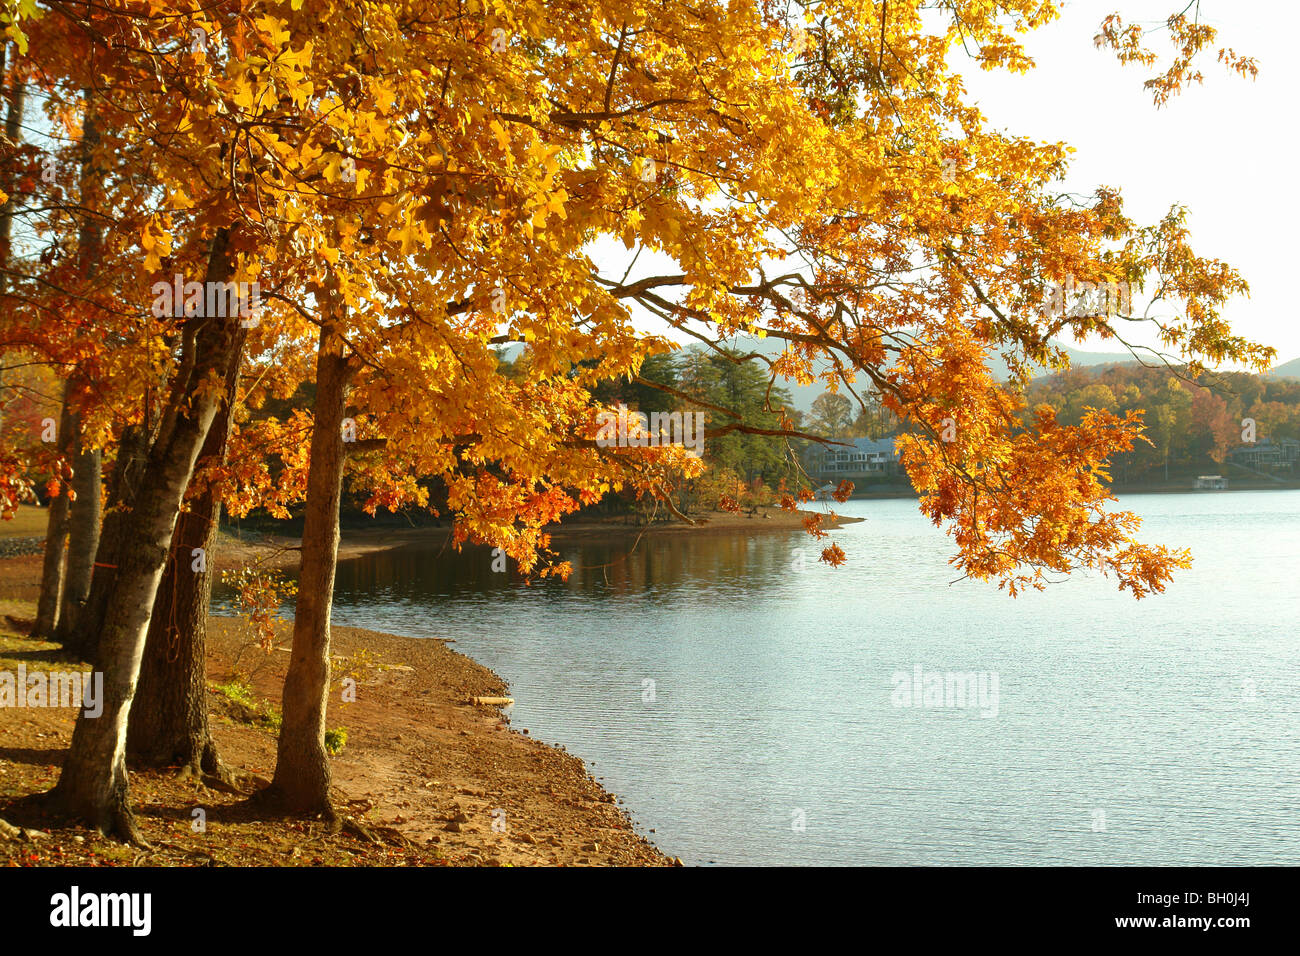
<point x="865" y="457"/>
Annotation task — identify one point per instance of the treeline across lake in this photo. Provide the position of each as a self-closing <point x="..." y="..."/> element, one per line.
<point x="1232" y="419"/>
<point x="1232" y="422"/>
<point x="1237" y="423"/>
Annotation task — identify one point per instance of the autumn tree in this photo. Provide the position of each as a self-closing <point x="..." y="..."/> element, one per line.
<point x="832" y="415"/>
<point x="93" y="784"/>
<point x="1213" y="433"/>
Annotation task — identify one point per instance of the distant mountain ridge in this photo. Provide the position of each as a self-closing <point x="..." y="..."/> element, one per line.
<point x="805" y="395"/>
<point x="1289" y="369"/>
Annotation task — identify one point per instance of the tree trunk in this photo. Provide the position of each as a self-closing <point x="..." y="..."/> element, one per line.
<point x="56" y="533"/>
<point x="83" y="526"/>
<point x="13" y="121"/>
<point x="302" y="770"/>
<point x="83" y="534"/>
<point x="16" y="94"/>
<point x="132" y="452"/>
<point x="93" y="785"/>
<point x="169" y="720"/>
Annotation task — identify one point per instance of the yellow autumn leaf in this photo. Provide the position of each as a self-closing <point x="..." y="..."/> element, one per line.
<point x="273" y="27"/>
<point x="503" y="138"/>
<point x="244" y="96"/>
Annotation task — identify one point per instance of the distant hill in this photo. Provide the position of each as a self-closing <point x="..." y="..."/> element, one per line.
<point x="805" y="395"/>
<point x="1289" y="369"/>
<point x="1078" y="359"/>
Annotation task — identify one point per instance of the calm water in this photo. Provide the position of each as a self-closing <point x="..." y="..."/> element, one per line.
<point x="1164" y="731"/>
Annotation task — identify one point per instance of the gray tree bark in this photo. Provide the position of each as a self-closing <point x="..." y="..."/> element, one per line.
<point x="93" y="785"/>
<point x="16" y="95"/>
<point x="132" y="453"/>
<point x="85" y="516"/>
<point x="302" y="769"/>
<point x="169" y="720"/>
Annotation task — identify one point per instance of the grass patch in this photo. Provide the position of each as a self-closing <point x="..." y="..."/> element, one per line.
<point x="242" y="705"/>
<point x="28" y="521"/>
<point x="34" y="655"/>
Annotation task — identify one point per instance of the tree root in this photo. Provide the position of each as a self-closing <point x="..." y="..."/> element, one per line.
<point x="115" y="821"/>
<point x="224" y="784"/>
<point x="354" y="827"/>
<point x="119" y="822"/>
<point x="220" y="777"/>
<point x="273" y="801"/>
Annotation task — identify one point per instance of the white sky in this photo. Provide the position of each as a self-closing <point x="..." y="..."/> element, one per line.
<point x="1225" y="149"/>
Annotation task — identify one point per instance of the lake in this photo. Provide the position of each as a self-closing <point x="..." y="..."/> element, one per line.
<point x="747" y="702"/>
